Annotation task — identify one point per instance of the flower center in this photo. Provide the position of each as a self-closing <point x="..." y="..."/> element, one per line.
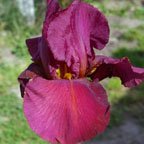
<point x="68" y="76"/>
<point x="63" y="72"/>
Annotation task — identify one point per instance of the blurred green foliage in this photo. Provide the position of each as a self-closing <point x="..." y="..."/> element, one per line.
<point x="135" y="34"/>
<point x="10" y="15"/>
<point x="13" y="126"/>
<point x="14" y="24"/>
<point x="139" y="13"/>
<point x="136" y="55"/>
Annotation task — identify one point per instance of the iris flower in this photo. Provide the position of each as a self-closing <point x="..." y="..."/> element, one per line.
<point x="63" y="99"/>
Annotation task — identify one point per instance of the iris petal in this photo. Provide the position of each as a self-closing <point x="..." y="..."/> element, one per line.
<point x="33" y="48"/>
<point x="122" y="68"/>
<point x="66" y="111"/>
<point x="73" y="32"/>
<point x="52" y="7"/>
<point x="98" y="26"/>
<point x="32" y="71"/>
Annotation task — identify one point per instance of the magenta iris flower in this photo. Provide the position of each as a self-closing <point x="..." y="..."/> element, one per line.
<point x="63" y="99"/>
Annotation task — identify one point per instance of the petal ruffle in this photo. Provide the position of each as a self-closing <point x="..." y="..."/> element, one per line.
<point x="73" y="32"/>
<point x="99" y="28"/>
<point x="122" y="68"/>
<point x="66" y="112"/>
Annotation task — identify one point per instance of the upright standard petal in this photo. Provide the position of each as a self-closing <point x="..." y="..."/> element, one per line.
<point x="122" y="68"/>
<point x="98" y="26"/>
<point x="34" y="44"/>
<point x="52" y="7"/>
<point x="73" y="32"/>
<point x="66" y="111"/>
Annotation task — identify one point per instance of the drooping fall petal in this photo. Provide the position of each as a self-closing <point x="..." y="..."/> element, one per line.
<point x="66" y="111"/>
<point x="73" y="32"/>
<point x="32" y="71"/>
<point x="122" y="68"/>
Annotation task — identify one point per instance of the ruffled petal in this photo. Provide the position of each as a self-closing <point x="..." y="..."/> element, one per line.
<point x="122" y="68"/>
<point x="32" y="71"/>
<point x="73" y="32"/>
<point x="98" y="26"/>
<point x="66" y="111"/>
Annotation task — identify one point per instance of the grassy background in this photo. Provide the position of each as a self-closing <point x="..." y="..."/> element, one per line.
<point x="13" y="32"/>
